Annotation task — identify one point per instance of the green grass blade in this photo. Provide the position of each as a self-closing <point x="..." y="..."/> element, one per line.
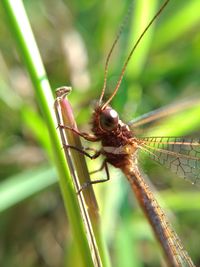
<point x="23" y="36"/>
<point x="19" y="187"/>
<point x="178" y="24"/>
<point x="143" y="13"/>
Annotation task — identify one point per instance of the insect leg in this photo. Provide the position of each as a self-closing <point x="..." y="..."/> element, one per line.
<point x="96" y="155"/>
<point x="100" y="169"/>
<point x="104" y="165"/>
<point x="87" y="136"/>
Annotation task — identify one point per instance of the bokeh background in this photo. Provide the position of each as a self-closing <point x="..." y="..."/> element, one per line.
<point x="74" y="38"/>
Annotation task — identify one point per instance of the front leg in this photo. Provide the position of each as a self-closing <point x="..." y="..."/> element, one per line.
<point x="86" y="136"/>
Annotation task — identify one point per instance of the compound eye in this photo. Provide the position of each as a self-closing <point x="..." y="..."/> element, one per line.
<point x="109" y="119"/>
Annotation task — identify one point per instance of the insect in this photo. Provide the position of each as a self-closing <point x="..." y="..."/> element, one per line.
<point x="120" y="148"/>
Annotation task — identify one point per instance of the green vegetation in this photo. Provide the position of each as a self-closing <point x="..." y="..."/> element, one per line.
<point x="74" y="38"/>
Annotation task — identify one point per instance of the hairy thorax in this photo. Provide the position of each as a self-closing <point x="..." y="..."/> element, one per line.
<point x="117" y="145"/>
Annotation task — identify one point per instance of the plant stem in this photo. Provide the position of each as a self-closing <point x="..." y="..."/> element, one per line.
<point x="22" y="33"/>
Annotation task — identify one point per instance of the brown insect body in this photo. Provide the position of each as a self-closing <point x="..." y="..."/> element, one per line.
<point x="118" y="142"/>
<point x="119" y="146"/>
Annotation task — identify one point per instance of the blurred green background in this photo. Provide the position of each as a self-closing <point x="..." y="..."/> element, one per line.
<point x="74" y="38"/>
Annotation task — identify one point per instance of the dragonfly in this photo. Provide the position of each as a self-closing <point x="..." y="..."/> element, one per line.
<point x="120" y="148"/>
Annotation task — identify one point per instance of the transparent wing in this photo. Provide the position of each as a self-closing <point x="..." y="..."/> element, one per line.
<point x="163" y="112"/>
<point x="180" y="155"/>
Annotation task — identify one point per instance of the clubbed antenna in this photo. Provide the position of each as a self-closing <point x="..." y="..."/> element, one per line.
<point x="130" y="55"/>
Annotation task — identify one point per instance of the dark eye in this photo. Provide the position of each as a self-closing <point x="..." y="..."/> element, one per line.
<point x="109" y="119"/>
